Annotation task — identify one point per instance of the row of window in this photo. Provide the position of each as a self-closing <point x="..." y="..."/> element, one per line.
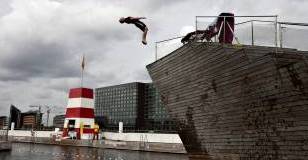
<point x="101" y="90"/>
<point x="128" y="93"/>
<point x="114" y="100"/>
<point x="113" y="95"/>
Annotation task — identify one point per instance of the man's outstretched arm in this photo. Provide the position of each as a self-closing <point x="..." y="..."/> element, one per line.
<point x="137" y="18"/>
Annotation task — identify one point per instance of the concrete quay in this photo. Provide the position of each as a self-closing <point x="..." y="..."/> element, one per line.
<point x="153" y="142"/>
<point x="107" y="144"/>
<point x="5" y="146"/>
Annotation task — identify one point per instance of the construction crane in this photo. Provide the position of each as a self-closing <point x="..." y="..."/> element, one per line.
<point x="48" y="111"/>
<point x="48" y="108"/>
<point x="39" y="107"/>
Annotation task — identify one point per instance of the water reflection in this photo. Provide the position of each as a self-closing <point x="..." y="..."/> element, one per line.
<point x="28" y="151"/>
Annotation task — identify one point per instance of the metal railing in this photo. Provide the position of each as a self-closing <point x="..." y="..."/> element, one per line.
<point x="272" y="18"/>
<point x="115" y="130"/>
<point x="251" y="30"/>
<point x="282" y="29"/>
<point x="3" y="135"/>
<point x="170" y="46"/>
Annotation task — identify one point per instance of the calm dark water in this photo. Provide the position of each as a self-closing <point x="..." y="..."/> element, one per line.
<point x="28" y="151"/>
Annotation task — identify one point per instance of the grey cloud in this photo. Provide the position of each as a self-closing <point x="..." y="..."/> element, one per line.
<point x="39" y="60"/>
<point x="158" y="4"/>
<point x="47" y="51"/>
<point x="5" y="7"/>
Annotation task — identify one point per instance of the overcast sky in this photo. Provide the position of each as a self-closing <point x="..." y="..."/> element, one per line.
<point x="42" y="41"/>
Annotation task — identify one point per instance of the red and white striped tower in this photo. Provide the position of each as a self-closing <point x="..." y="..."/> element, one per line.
<point x="79" y="118"/>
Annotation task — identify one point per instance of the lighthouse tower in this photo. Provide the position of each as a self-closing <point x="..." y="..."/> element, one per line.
<point x="79" y="118"/>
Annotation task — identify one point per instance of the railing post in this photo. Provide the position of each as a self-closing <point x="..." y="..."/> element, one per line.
<point x="7" y="133"/>
<point x="276" y="32"/>
<point x="196" y="28"/>
<point x="224" y="30"/>
<point x="280" y="35"/>
<point x="155" y="51"/>
<point x="252" y="36"/>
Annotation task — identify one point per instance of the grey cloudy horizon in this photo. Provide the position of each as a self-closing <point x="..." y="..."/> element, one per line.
<point x="42" y="41"/>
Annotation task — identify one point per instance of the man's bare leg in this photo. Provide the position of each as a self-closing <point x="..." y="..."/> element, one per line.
<point x="144" y="36"/>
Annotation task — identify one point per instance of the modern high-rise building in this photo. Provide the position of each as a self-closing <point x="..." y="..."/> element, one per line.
<point x="120" y="103"/>
<point x="3" y="122"/>
<point x="15" y="117"/>
<point x="31" y="119"/>
<point x="58" y="121"/>
<point x="135" y="104"/>
<point x="26" y="120"/>
<point x="155" y="114"/>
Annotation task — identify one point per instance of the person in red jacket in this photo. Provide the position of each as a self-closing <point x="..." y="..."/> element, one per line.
<point x="96" y="131"/>
<point x="136" y="21"/>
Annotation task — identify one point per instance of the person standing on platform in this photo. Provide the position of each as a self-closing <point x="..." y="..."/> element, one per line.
<point x="96" y="131"/>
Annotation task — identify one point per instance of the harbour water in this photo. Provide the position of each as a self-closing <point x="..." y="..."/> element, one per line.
<point x="29" y="151"/>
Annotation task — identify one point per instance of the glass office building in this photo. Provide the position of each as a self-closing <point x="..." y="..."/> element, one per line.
<point x="58" y="121"/>
<point x="155" y="114"/>
<point x="136" y="104"/>
<point x="120" y="103"/>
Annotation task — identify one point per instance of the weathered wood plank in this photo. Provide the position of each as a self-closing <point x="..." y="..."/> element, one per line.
<point x="247" y="103"/>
